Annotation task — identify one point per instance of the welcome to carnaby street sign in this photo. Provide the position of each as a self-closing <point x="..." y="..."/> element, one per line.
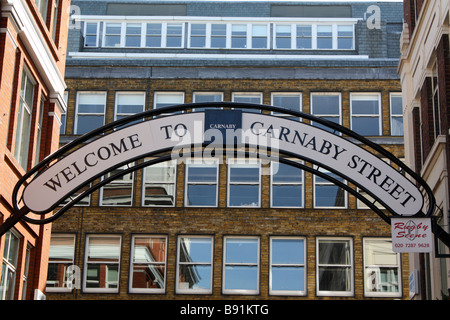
<point x="227" y="125"/>
<point x="300" y="139"/>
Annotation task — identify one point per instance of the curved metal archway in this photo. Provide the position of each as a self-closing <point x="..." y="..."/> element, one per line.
<point x="161" y="155"/>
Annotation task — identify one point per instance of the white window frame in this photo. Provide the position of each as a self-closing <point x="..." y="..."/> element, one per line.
<point x="204" y="163"/>
<point x="180" y="290"/>
<point x="378" y="116"/>
<point x="146" y="35"/>
<point x="64" y="288"/>
<point x="85" y="34"/>
<point x="345" y="37"/>
<point x="10" y="266"/>
<point x="243" y="162"/>
<point x="125" y="93"/>
<point x="85" y="264"/>
<point x="395" y="95"/>
<point x="351" y="266"/>
<point x="116" y="182"/>
<point x="368" y="268"/>
<point x="246" y="27"/>
<point x="121" y="34"/>
<point x="292" y="36"/>
<point x="206" y="93"/>
<point x="333" y="36"/>
<point x="167" y="36"/>
<point x="225" y="36"/>
<point x="273" y="95"/>
<point x="327" y="183"/>
<point x="314" y="34"/>
<point x="175" y="94"/>
<point x="257" y="264"/>
<point x="281" y="265"/>
<point x="173" y="183"/>
<point x="24" y="128"/>
<point x="312" y="94"/>
<point x="297" y="36"/>
<point x="235" y="95"/>
<point x="206" y="36"/>
<point x="140" y="35"/>
<point x="252" y="35"/>
<point x="153" y="263"/>
<point x="77" y="113"/>
<point x="295" y="183"/>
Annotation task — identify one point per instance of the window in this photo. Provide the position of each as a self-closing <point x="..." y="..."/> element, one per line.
<point x="62" y="129"/>
<point x="255" y="98"/>
<point x="324" y="37"/>
<point x="396" y="114"/>
<point x="26" y="272"/>
<point x="283" y="36"/>
<point x="91" y="34"/>
<point x="244" y="182"/>
<point x="287" y="266"/>
<point x="90" y="111"/>
<point x="259" y="36"/>
<point x="334" y="267"/>
<point x="326" y="193"/>
<point x="287" y="100"/>
<point x="382" y="269"/>
<point x="361" y="205"/>
<point x="9" y="267"/>
<point x="133" y="35"/>
<point x="39" y="131"/>
<point x="154" y="35"/>
<point x="241" y="265"/>
<point x="194" y="264"/>
<point x="61" y="256"/>
<point x="201" y="183"/>
<point x="167" y="99"/>
<point x="218" y="35"/>
<point x="304" y="36"/>
<point x="326" y="106"/>
<point x="159" y="184"/>
<point x="86" y="201"/>
<point x="113" y="34"/>
<point x="174" y="35"/>
<point x="102" y="263"/>
<point x="365" y="113"/>
<point x="207" y="97"/>
<point x="55" y="19"/>
<point x="129" y="103"/>
<point x="239" y="36"/>
<point x="22" y="141"/>
<point x="287" y="185"/>
<point x="148" y="264"/>
<point x="118" y="192"/>
<point x="345" y="37"/>
<point x="435" y="101"/>
<point x="198" y="35"/>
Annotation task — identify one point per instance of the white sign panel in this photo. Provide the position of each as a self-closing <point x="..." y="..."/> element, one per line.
<point x="354" y="162"/>
<point x="411" y="235"/>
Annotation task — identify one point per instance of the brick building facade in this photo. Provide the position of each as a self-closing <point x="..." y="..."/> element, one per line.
<point x="424" y="69"/>
<point x="225" y="231"/>
<point x="33" y="41"/>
